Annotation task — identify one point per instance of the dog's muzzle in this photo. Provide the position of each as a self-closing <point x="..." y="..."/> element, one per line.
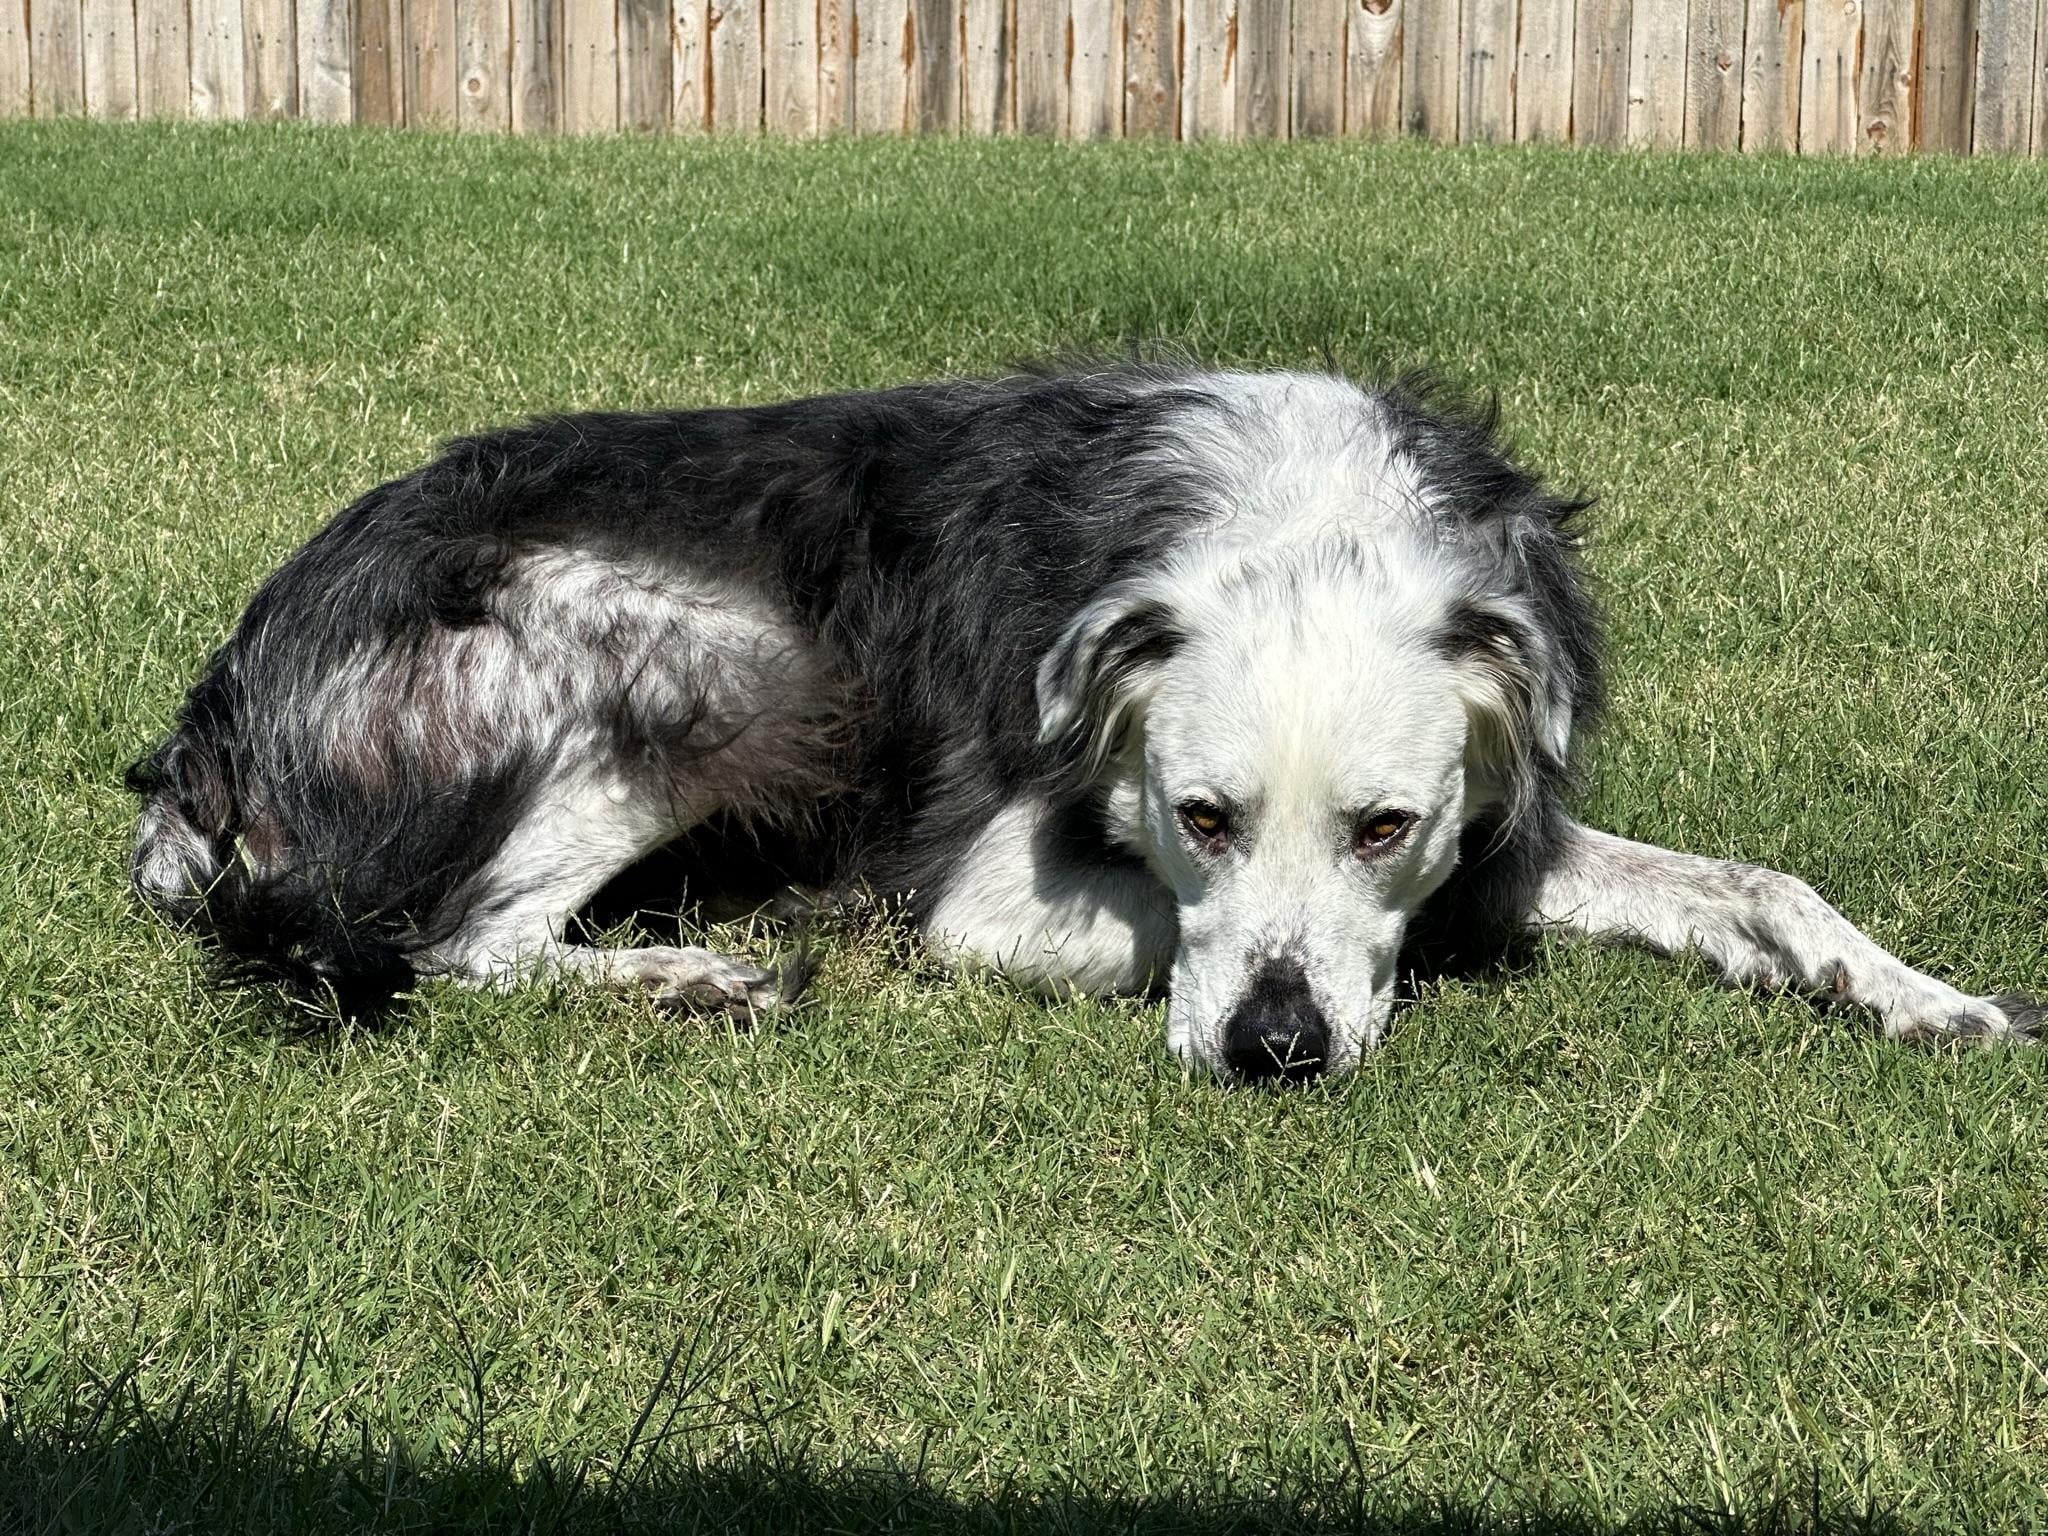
<point x="1277" y="1034"/>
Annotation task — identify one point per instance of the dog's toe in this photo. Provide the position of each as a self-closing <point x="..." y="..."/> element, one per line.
<point x="711" y="983"/>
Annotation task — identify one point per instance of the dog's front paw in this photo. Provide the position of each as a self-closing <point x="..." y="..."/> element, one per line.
<point x="2026" y="1018"/>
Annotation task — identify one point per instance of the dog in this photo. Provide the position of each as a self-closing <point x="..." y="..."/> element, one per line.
<point x="1114" y="678"/>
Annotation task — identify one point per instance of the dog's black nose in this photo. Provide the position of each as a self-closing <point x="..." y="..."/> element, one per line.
<point x="1277" y="1033"/>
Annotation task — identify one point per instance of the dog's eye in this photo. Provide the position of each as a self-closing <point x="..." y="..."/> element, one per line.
<point x="1205" y="820"/>
<point x="1380" y="830"/>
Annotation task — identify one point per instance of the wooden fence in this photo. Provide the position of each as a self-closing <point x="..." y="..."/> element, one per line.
<point x="1814" y="75"/>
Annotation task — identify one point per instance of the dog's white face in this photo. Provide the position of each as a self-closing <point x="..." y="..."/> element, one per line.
<point x="1302" y="792"/>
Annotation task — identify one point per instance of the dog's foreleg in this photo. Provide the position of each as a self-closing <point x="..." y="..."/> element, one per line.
<point x="1028" y="904"/>
<point x="1759" y="928"/>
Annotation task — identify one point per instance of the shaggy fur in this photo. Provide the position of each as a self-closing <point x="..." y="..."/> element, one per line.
<point x="984" y="648"/>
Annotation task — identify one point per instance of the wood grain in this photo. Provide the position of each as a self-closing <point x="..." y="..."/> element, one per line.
<point x="1486" y="114"/>
<point x="1713" y="74"/>
<point x="1208" y="89"/>
<point x="1656" y="75"/>
<point x="1042" y="67"/>
<point x="1948" y="75"/>
<point x="590" y="66"/>
<point x="1372" y="84"/>
<point x="1884" y="99"/>
<point x="326" y="62"/>
<point x="1264" y="68"/>
<point x="109" y="44"/>
<point x="375" y="27"/>
<point x="987" y="84"/>
<point x="646" y="58"/>
<point x="2004" y="107"/>
<point x="1772" y="42"/>
<point x="429" y="60"/>
<point x="1831" y="77"/>
<point x="219" y="78"/>
<point x="1430" y="70"/>
<point x="735" y="36"/>
<point x="1095" y="69"/>
<point x="1600" y="65"/>
<point x="689" y="86"/>
<point x="1151" y="68"/>
<point x="1543" y="70"/>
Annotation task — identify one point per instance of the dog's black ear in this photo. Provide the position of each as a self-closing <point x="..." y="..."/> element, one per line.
<point x="1520" y="709"/>
<point x="1095" y="679"/>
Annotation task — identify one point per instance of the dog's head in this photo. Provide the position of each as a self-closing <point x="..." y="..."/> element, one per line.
<point x="1295" y="740"/>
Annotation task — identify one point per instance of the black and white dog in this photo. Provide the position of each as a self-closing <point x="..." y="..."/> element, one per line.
<point x="1113" y="677"/>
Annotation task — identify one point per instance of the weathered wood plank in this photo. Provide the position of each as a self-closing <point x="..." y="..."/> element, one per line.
<point x="270" y="58"/>
<point x="645" y="60"/>
<point x="1041" y="67"/>
<point x="1543" y="70"/>
<point x="835" y="65"/>
<point x="537" y="66"/>
<point x="163" y="59"/>
<point x="1486" y="112"/>
<point x="429" y="60"/>
<point x="376" y="28"/>
<point x="590" y="66"/>
<point x="1884" y="98"/>
<point x="110" y="82"/>
<point x="885" y="46"/>
<point x="1430" y="69"/>
<point x="1095" y="72"/>
<point x="2039" y="136"/>
<point x="56" y="58"/>
<point x="1656" y="75"/>
<point x="1713" y="74"/>
<point x="1948" y="75"/>
<point x="14" y="55"/>
<point x="1601" y="58"/>
<point x="1827" y="94"/>
<point x="986" y="77"/>
<point x="935" y="73"/>
<point x="326" y="64"/>
<point x="735" y="33"/>
<point x="1317" y="85"/>
<point x="1773" y="41"/>
<point x="483" y="58"/>
<point x="1151" y="68"/>
<point x="219" y="80"/>
<point x="1372" y="72"/>
<point x="1208" y="90"/>
<point x="2005" y="77"/>
<point x="1264" y="68"/>
<point x="689" y="102"/>
<point x="789" y="67"/>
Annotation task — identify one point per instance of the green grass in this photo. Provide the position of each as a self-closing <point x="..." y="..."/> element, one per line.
<point x="1586" y="1242"/>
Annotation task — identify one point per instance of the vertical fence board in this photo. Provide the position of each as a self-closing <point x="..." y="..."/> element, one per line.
<point x="1772" y="42"/>
<point x="1656" y="74"/>
<point x="985" y="76"/>
<point x="1372" y="75"/>
<point x="2039" y="136"/>
<point x="1095" y="72"/>
<point x="536" y="89"/>
<point x="1317" y="110"/>
<point x="1543" y="70"/>
<point x="1042" y="67"/>
<point x="163" y="58"/>
<point x="483" y="60"/>
<point x="1264" y="68"/>
<point x="645" y="60"/>
<point x="1429" y="70"/>
<point x="14" y="78"/>
<point x="1486" y="113"/>
<point x="835" y="66"/>
<point x="110" y="86"/>
<point x="1827" y="94"/>
<point x="219" y="89"/>
<point x="270" y="58"/>
<point x="325" y="65"/>
<point x="2005" y="70"/>
<point x="56" y="58"/>
<point x="735" y="41"/>
<point x="1948" y="71"/>
<point x="1151" y="68"/>
<point x="884" y="48"/>
<point x="590" y="66"/>
<point x="689" y="101"/>
<point x="789" y="67"/>
<point x="1713" y="74"/>
<point x="1600" y="66"/>
<point x="935" y="86"/>
<point x="1884" y="100"/>
<point x="374" y="27"/>
<point x="1208" y="69"/>
<point x="429" y="63"/>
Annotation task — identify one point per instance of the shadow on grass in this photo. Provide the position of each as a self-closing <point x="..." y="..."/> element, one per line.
<point x="117" y="1464"/>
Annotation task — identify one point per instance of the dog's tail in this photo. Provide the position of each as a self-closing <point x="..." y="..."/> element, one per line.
<point x="299" y="877"/>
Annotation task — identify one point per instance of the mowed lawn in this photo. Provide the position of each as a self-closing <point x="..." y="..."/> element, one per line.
<point x="1589" y="1241"/>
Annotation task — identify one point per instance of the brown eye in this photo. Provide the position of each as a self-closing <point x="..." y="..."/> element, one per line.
<point x="1206" y="821"/>
<point x="1381" y="830"/>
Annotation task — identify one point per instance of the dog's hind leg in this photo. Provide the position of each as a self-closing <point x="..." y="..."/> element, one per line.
<point x="578" y="833"/>
<point x="1759" y="928"/>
